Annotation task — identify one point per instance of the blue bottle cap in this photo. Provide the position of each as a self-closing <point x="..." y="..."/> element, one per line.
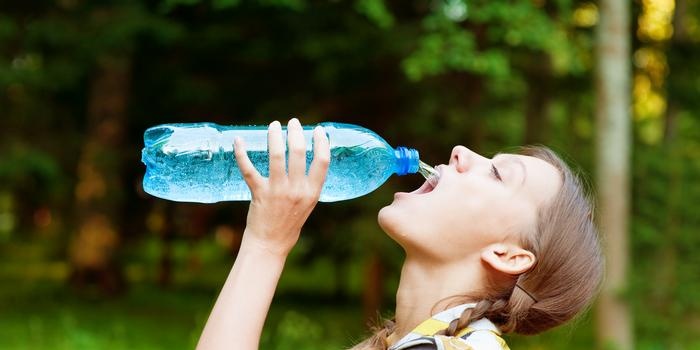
<point x="406" y="160"/>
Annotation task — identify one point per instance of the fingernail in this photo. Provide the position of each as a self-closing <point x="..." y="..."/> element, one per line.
<point x="275" y="124"/>
<point x="320" y="129"/>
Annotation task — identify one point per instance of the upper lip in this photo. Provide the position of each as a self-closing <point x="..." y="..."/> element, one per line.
<point x="439" y="168"/>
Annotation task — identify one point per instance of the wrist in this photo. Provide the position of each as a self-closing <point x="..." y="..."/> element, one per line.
<point x="252" y="244"/>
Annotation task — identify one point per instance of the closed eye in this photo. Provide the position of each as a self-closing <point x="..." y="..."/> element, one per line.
<point x="495" y="173"/>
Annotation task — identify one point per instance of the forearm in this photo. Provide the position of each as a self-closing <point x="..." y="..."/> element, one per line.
<point x="239" y="313"/>
<point x="280" y="205"/>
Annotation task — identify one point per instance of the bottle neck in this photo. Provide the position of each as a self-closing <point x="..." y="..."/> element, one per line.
<point x="406" y="160"/>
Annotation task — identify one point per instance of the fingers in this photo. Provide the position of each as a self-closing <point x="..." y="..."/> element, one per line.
<point x="275" y="149"/>
<point x="322" y="157"/>
<point x="251" y="175"/>
<point x="297" y="151"/>
<point x="297" y="157"/>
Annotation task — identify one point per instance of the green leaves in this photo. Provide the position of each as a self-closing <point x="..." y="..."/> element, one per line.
<point x="297" y="5"/>
<point x="447" y="47"/>
<point x="224" y="4"/>
<point x="8" y="28"/>
<point x="488" y="42"/>
<point x="169" y="5"/>
<point x="376" y="11"/>
<point x="25" y="167"/>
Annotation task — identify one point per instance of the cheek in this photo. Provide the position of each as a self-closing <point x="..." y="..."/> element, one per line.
<point x="481" y="218"/>
<point x="509" y="219"/>
<point x="469" y="209"/>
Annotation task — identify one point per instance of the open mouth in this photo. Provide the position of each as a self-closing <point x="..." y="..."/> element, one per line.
<point x="432" y="180"/>
<point x="427" y="187"/>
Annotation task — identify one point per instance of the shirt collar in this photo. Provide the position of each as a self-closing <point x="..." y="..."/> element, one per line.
<point x="438" y="322"/>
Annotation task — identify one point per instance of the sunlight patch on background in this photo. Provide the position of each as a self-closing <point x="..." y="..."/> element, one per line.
<point x="653" y="62"/>
<point x="455" y="10"/>
<point x="649" y="104"/>
<point x="655" y="21"/>
<point x="586" y="15"/>
<point x="655" y="27"/>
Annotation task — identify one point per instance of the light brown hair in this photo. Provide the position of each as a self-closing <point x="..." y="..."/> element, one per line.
<point x="564" y="280"/>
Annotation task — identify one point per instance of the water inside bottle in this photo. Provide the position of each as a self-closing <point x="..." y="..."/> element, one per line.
<point x="429" y="173"/>
<point x="195" y="162"/>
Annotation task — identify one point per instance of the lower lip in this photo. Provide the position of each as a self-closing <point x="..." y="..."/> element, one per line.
<point x="415" y="193"/>
<point x="401" y="194"/>
<point x="408" y="194"/>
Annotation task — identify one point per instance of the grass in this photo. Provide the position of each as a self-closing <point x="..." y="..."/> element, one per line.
<point x="38" y="312"/>
<point x="51" y="318"/>
<point x="48" y="317"/>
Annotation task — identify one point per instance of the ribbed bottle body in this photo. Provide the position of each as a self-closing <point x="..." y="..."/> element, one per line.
<point x="195" y="162"/>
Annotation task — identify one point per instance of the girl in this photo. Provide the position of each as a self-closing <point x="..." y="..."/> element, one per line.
<point x="501" y="245"/>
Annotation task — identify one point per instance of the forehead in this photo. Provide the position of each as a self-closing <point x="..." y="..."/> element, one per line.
<point x="541" y="180"/>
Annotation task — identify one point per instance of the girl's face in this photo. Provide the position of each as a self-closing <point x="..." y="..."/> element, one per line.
<point x="478" y="201"/>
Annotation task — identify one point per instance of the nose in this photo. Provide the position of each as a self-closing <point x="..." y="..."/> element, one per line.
<point x="464" y="159"/>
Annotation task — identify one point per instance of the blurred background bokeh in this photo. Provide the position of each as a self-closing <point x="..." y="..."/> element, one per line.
<point x="89" y="261"/>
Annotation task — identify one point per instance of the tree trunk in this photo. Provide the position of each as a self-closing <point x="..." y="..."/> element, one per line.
<point x="166" y="235"/>
<point x="98" y="197"/>
<point x="614" y="322"/>
<point x="373" y="286"/>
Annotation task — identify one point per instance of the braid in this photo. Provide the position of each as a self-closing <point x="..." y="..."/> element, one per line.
<point x="506" y="311"/>
<point x="496" y="310"/>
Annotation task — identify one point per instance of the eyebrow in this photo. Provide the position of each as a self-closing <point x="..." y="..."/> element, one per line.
<point x="516" y="160"/>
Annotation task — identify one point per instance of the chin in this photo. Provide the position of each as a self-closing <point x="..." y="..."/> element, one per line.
<point x="393" y="222"/>
<point x="384" y="218"/>
<point x="388" y="219"/>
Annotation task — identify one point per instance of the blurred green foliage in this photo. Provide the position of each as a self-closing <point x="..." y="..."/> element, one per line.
<point x="491" y="75"/>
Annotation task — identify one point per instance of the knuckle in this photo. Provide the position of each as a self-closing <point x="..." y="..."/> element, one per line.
<point x="246" y="171"/>
<point x="324" y="160"/>
<point x="297" y="150"/>
<point x="295" y="196"/>
<point x="276" y="155"/>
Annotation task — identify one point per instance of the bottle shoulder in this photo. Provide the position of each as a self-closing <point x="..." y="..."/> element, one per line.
<point x="343" y="135"/>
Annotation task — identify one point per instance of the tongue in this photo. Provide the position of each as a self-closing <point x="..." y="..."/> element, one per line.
<point x="425" y="188"/>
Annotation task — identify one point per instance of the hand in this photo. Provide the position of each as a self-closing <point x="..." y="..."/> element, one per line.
<point x="282" y="203"/>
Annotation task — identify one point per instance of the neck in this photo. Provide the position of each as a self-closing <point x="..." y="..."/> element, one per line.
<point x="427" y="288"/>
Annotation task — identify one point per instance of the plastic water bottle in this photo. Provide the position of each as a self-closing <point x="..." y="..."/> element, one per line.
<point x="195" y="162"/>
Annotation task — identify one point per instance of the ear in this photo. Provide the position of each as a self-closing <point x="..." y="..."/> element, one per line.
<point x="508" y="258"/>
